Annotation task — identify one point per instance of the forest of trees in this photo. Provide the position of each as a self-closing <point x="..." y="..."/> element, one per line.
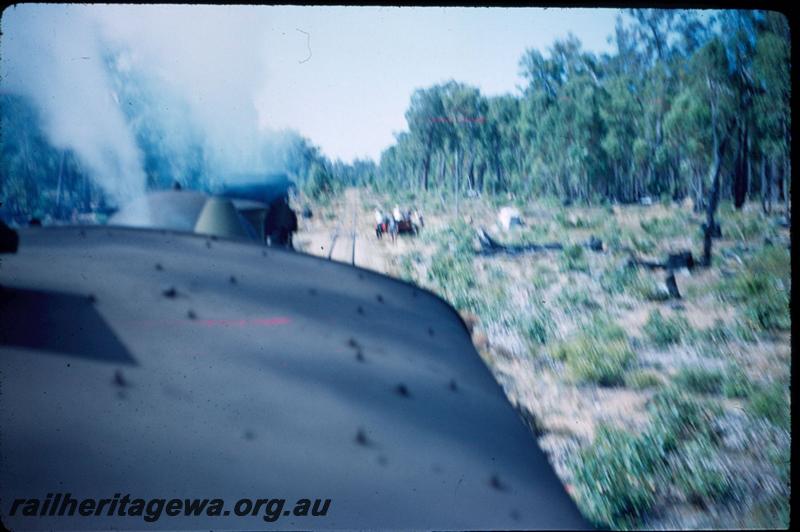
<point x="681" y="90"/>
<point x="685" y="97"/>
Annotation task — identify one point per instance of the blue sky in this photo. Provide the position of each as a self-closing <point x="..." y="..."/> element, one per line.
<point x="351" y="94"/>
<point x="341" y="76"/>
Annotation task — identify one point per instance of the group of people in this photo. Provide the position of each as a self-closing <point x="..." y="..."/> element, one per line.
<point x="281" y="222"/>
<point x="408" y="220"/>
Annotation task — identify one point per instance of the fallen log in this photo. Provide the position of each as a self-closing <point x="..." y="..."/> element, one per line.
<point x="675" y="261"/>
<point x="650" y="265"/>
<point x="682" y="259"/>
<point x="490" y="246"/>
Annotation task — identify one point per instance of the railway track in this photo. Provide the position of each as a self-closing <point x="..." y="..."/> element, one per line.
<point x="336" y="235"/>
<point x="353" y="249"/>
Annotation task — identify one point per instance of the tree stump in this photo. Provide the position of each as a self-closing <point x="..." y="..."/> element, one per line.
<point x="682" y="259"/>
<point x="716" y="231"/>
<point x="672" y="285"/>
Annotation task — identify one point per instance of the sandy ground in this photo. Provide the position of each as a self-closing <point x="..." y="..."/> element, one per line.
<point x="333" y="237"/>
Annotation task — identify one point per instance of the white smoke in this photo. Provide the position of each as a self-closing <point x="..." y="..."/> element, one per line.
<point x="51" y="54"/>
<point x="211" y="59"/>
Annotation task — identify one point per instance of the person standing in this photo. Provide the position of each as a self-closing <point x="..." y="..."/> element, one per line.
<point x="281" y="223"/>
<point x="379" y="223"/>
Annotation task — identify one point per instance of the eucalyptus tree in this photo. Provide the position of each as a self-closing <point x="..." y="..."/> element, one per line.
<point x="542" y="134"/>
<point x="714" y="85"/>
<point x="503" y="140"/>
<point x="654" y="31"/>
<point x="424" y="117"/>
<point x="772" y="105"/>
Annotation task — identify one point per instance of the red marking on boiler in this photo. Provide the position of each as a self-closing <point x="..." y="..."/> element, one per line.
<point x="219" y="322"/>
<point x="243" y="322"/>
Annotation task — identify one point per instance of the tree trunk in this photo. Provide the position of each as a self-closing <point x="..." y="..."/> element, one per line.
<point x="427" y="160"/>
<point x="765" y="188"/>
<point x="773" y="183"/>
<point x="740" y="171"/>
<point x="471" y="173"/>
<point x="499" y="175"/>
<point x="457" y="177"/>
<point x="711" y="209"/>
<point x="60" y="180"/>
<point x="672" y="285"/>
<point x="750" y="184"/>
<point x="697" y="190"/>
<point x="787" y="182"/>
<point x="714" y="180"/>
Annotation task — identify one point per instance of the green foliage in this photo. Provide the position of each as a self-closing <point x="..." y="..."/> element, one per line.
<point x="407" y="266"/>
<point x="700" y="380"/>
<point x="666" y="331"/>
<point x="459" y="239"/>
<point x="453" y="275"/>
<point x="320" y="184"/>
<point x="642" y="244"/>
<point x="538" y="325"/>
<point x="665" y="227"/>
<point x="772" y="514"/>
<point x="677" y="418"/>
<point x="718" y="333"/>
<point x="763" y="288"/>
<point x="699" y="477"/>
<point x="574" y="259"/>
<point x="603" y="363"/>
<point x="733" y="383"/>
<point x="617" y="280"/>
<point x="619" y="474"/>
<point x="572" y="220"/>
<point x="643" y="379"/>
<point x="603" y="328"/>
<point x="617" y="236"/>
<point x="744" y="331"/>
<point x="611" y="234"/>
<point x="633" y="281"/>
<point x="772" y="403"/>
<point x="746" y="226"/>
<point x="543" y="277"/>
<point x="646" y="288"/>
<point x="491" y="305"/>
<point x="536" y="232"/>
<point x="616" y="478"/>
<point x="451" y="270"/>
<point x="736" y="384"/>
<point x="576" y="299"/>
<point x="599" y="354"/>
